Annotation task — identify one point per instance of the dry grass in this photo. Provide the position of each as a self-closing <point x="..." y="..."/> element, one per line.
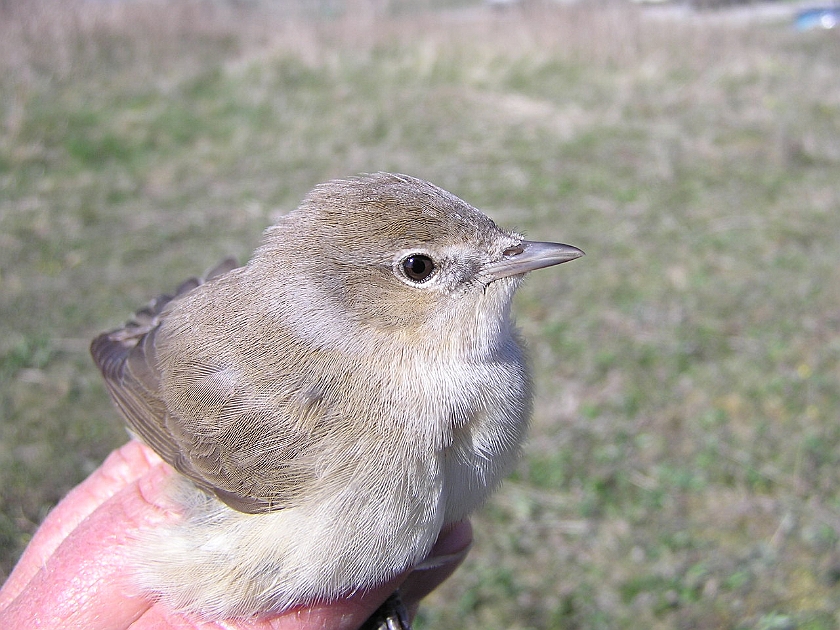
<point x="683" y="466"/>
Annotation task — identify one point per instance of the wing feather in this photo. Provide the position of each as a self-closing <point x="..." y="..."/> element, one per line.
<point x="127" y="358"/>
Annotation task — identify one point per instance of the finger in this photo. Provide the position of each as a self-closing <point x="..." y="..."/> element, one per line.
<point x="449" y="552"/>
<point x="85" y="582"/>
<point x="345" y="614"/>
<point x="121" y="468"/>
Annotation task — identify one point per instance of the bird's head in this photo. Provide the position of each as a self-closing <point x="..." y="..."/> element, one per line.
<point x="398" y="255"/>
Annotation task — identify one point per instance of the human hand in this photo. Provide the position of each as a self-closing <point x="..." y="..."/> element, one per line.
<point x="76" y="571"/>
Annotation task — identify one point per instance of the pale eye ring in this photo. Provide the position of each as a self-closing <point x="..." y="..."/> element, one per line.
<point x="418" y="267"/>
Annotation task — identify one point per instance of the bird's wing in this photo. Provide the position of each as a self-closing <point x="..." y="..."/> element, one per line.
<point x="127" y="358"/>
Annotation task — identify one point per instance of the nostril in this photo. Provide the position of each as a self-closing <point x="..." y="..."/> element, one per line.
<point x="513" y="251"/>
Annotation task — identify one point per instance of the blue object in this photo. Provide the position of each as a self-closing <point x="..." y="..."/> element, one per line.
<point x="819" y="17"/>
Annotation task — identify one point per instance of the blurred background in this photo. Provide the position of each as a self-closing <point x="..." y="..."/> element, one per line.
<point x="683" y="466"/>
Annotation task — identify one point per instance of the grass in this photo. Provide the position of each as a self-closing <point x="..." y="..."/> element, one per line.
<point x="683" y="465"/>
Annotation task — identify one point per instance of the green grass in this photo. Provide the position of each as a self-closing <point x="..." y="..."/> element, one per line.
<point x="683" y="465"/>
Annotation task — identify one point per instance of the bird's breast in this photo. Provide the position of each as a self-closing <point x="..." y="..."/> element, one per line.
<point x="470" y="417"/>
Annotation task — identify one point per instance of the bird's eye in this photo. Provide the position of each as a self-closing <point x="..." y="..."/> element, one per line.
<point x="418" y="267"/>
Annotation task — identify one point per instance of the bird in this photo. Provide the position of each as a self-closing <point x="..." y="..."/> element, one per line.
<point x="334" y="403"/>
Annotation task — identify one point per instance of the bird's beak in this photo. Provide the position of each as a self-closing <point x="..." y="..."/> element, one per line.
<point x="528" y="256"/>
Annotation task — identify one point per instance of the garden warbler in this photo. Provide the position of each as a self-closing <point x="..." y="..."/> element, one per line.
<point x="335" y="402"/>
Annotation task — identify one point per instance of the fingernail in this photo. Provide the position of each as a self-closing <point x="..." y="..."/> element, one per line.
<point x="452" y="545"/>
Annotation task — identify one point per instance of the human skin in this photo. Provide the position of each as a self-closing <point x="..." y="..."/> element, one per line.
<point x="76" y="570"/>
